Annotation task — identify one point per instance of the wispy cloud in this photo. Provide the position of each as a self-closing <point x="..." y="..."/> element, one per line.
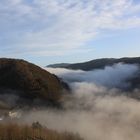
<point x="45" y="26"/>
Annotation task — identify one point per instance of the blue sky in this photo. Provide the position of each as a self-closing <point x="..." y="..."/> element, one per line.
<point x="53" y="31"/>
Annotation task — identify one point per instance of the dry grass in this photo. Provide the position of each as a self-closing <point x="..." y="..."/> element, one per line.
<point x="24" y="132"/>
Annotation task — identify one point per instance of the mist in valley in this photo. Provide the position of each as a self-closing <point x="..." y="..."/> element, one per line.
<point x="97" y="108"/>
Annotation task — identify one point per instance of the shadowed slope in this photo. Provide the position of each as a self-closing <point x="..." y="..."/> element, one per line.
<point x="28" y="80"/>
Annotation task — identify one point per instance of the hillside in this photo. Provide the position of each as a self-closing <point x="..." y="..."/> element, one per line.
<point x="34" y="132"/>
<point x="29" y="81"/>
<point x="98" y="63"/>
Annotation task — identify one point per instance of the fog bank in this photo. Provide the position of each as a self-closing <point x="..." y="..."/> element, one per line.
<point x="96" y="109"/>
<point x="111" y="76"/>
<point x="94" y="117"/>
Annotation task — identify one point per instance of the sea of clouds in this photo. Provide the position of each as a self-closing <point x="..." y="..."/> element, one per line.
<point x="96" y="108"/>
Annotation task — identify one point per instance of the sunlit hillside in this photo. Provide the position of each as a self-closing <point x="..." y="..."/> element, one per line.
<point x="34" y="132"/>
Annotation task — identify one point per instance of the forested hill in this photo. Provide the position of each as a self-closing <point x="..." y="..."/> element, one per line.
<point x="28" y="81"/>
<point x="98" y="63"/>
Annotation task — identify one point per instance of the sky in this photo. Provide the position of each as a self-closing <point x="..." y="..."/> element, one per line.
<point x="54" y="31"/>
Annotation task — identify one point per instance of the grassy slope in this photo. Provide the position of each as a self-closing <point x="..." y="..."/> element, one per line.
<point x="18" y="132"/>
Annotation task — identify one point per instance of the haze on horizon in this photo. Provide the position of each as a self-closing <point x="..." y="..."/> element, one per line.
<point x="53" y="31"/>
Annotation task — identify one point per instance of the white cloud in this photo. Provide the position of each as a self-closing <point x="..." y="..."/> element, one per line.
<point x="111" y="76"/>
<point x="54" y="25"/>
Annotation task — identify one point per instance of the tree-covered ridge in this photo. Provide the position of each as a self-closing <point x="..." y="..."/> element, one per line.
<point x="29" y="81"/>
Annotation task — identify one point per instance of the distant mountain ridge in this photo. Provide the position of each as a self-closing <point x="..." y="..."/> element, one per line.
<point x="97" y="63"/>
<point x="60" y="65"/>
<point x="102" y="63"/>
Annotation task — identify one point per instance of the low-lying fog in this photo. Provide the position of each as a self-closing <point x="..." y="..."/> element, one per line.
<point x="96" y="108"/>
